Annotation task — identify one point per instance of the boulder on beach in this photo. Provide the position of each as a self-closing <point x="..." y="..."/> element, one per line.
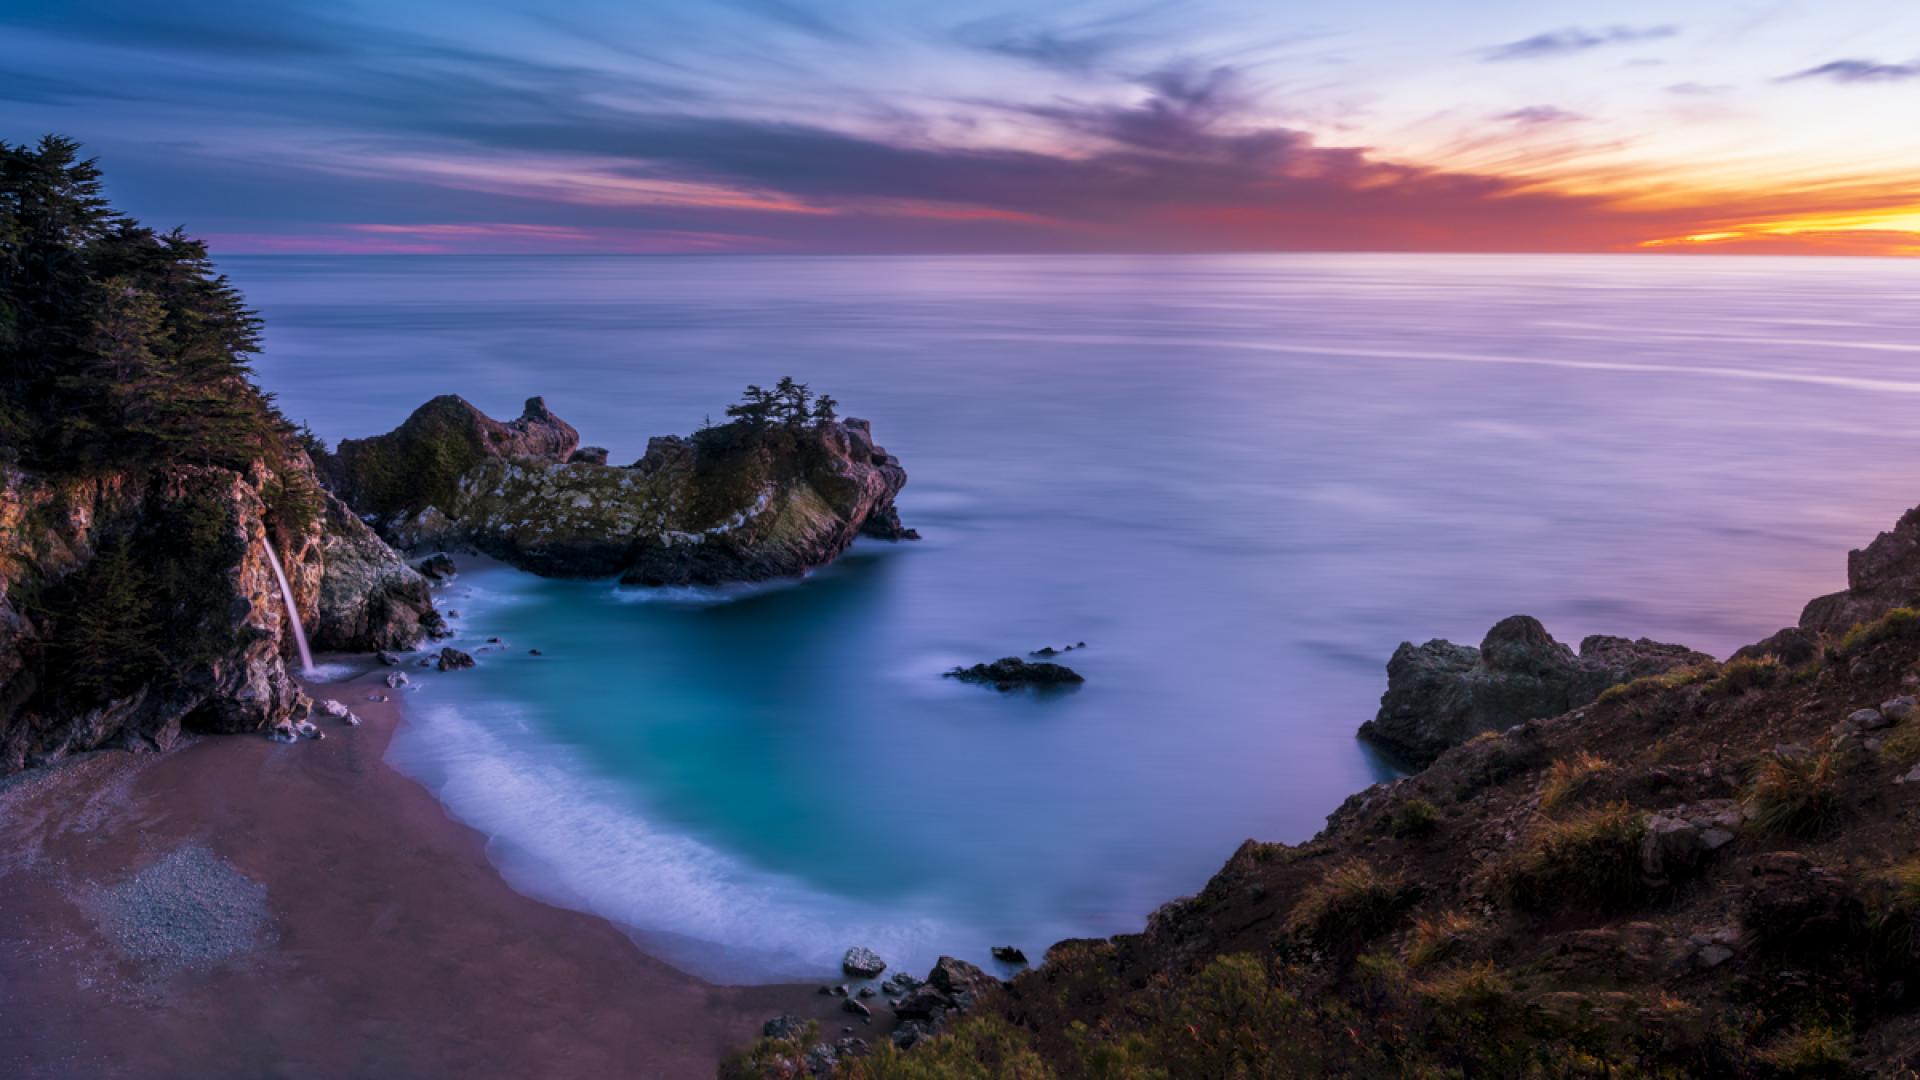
<point x="1440" y="694"/>
<point x="1012" y="673"/>
<point x="862" y="962"/>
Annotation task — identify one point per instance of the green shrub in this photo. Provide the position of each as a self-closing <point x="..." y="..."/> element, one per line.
<point x="1739" y="676"/>
<point x="1814" y="1050"/>
<point x="772" y="1057"/>
<point x="1232" y="1021"/>
<point x="1794" y="795"/>
<point x="1902" y="745"/>
<point x="980" y="1047"/>
<point x="1649" y="685"/>
<point x="1568" y="776"/>
<point x="1413" y="819"/>
<point x="1437" y="938"/>
<point x="106" y="632"/>
<point x="1351" y="904"/>
<point x="1896" y="623"/>
<point x="1592" y="860"/>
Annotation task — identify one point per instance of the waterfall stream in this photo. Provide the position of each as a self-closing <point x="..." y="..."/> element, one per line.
<point x="293" y="610"/>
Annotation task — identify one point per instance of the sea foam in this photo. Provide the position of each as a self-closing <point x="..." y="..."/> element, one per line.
<point x="562" y="835"/>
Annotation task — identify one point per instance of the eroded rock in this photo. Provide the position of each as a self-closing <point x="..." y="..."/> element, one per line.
<point x="1440" y="694"/>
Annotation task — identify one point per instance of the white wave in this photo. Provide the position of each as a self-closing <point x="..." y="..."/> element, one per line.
<point x="562" y="835"/>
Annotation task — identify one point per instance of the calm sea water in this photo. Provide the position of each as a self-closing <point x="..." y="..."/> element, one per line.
<point x="1240" y="480"/>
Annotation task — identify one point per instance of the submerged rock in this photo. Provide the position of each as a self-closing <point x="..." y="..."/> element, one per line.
<point x="1011" y="673"/>
<point x="1440" y="694"/>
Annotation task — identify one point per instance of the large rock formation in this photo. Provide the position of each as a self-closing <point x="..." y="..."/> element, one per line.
<point x="732" y="503"/>
<point x="368" y="599"/>
<point x="1440" y="694"/>
<point x="422" y="462"/>
<point x="1880" y="577"/>
<point x="135" y="605"/>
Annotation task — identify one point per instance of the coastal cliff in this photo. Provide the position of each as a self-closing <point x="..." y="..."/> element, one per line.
<point x="1706" y="870"/>
<point x="743" y="501"/>
<point x="148" y="489"/>
<point x="135" y="605"/>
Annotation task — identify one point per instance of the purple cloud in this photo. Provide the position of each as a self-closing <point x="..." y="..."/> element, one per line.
<point x="1858" y="71"/>
<point x="1575" y="39"/>
<point x="1540" y="115"/>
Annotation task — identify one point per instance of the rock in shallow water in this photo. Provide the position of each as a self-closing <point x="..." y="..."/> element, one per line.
<point x="452" y="659"/>
<point x="1011" y="673"/>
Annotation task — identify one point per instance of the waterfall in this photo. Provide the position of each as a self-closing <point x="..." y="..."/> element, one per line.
<point x="293" y="610"/>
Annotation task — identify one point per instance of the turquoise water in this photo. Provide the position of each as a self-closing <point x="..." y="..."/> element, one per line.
<point x="1240" y="480"/>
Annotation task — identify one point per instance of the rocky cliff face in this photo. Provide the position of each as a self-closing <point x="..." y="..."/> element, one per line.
<point x="1440" y="694"/>
<point x="135" y="606"/>
<point x="730" y="504"/>
<point x="1880" y="577"/>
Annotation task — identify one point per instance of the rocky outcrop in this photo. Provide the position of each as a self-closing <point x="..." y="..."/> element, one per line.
<point x="1012" y="673"/>
<point x="1440" y="694"/>
<point x="368" y="598"/>
<point x="953" y="987"/>
<point x="733" y="503"/>
<point x="1791" y="646"/>
<point x="135" y="606"/>
<point x="1880" y="577"/>
<point x="421" y="463"/>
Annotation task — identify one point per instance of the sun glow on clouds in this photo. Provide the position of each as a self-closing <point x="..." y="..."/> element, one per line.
<point x="989" y="125"/>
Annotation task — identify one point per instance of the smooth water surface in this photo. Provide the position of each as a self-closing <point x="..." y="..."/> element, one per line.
<point x="1241" y="480"/>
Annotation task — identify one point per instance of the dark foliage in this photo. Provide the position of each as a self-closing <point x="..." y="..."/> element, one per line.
<point x="119" y="345"/>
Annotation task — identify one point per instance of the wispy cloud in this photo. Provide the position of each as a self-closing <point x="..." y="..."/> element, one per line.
<point x="1858" y="71"/>
<point x="1540" y="115"/>
<point x="1576" y="40"/>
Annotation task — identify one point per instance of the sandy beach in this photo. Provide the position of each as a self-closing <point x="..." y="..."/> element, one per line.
<point x="241" y="907"/>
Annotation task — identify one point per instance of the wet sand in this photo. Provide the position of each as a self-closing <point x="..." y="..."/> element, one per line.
<point x="241" y="907"/>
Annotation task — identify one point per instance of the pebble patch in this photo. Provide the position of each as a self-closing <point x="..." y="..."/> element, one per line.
<point x="188" y="909"/>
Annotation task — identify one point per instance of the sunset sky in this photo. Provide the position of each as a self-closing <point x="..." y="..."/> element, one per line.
<point x="967" y="126"/>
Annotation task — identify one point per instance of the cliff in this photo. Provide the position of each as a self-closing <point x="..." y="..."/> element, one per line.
<point x="137" y="604"/>
<point x="1705" y="872"/>
<point x="738" y="502"/>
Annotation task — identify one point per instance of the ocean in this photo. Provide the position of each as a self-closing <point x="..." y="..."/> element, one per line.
<point x="1241" y="480"/>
